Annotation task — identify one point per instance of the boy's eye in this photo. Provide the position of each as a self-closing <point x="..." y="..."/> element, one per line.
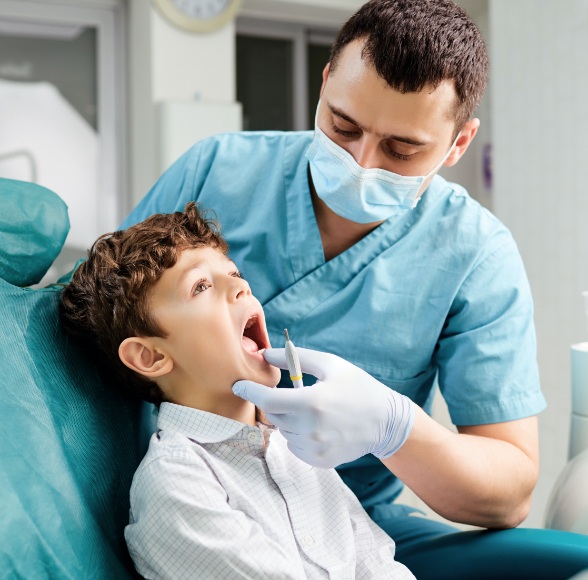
<point x="237" y="274"/>
<point x="200" y="287"/>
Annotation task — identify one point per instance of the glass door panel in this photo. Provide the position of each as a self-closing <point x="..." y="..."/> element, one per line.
<point x="318" y="56"/>
<point x="264" y="83"/>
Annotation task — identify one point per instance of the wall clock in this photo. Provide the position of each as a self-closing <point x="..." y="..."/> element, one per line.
<point x="198" y="15"/>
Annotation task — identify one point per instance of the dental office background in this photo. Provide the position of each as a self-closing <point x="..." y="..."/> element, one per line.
<point x="98" y="97"/>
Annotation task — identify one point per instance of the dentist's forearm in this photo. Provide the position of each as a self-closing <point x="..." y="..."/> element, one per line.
<point x="471" y="479"/>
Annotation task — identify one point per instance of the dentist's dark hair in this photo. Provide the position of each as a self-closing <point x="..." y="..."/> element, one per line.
<point x="107" y="299"/>
<point x="413" y="44"/>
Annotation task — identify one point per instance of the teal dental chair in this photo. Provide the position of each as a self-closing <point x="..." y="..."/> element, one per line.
<point x="69" y="444"/>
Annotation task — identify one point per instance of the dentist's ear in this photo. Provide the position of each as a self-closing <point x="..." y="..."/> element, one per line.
<point x="466" y="136"/>
<point x="140" y="355"/>
<point x="325" y="77"/>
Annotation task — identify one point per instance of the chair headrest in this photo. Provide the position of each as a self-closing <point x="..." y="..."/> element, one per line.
<point x="33" y="227"/>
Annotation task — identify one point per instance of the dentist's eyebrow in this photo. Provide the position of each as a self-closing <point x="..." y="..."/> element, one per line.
<point x="410" y="141"/>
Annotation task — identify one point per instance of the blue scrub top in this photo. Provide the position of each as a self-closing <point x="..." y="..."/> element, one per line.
<point x="436" y="294"/>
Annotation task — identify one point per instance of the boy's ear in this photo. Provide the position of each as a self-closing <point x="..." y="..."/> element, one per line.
<point x="141" y="356"/>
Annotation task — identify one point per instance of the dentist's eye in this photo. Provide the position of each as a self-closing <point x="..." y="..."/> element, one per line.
<point x="349" y="134"/>
<point x="344" y="133"/>
<point x="400" y="155"/>
<point x="201" y="286"/>
<point x="393" y="153"/>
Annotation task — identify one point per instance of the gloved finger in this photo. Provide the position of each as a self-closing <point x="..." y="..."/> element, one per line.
<point x="270" y="400"/>
<point x="276" y="357"/>
<point x="310" y="457"/>
<point x="312" y="362"/>
<point x="310" y="447"/>
<point x="285" y="422"/>
<point x="297" y="440"/>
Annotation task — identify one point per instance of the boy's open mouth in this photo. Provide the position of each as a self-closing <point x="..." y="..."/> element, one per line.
<point x="254" y="338"/>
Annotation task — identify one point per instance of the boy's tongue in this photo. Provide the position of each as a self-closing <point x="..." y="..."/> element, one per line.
<point x="248" y="344"/>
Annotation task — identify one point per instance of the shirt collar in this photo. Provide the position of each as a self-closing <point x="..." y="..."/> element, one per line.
<point x="201" y="426"/>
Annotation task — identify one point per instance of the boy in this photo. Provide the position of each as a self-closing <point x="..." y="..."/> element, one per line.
<point x="218" y="494"/>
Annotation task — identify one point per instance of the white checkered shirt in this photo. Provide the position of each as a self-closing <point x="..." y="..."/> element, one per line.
<point x="215" y="498"/>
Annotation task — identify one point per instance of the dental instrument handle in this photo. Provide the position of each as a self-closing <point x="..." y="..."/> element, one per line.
<point x="293" y="362"/>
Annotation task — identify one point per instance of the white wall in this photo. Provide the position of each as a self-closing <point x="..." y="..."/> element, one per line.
<point x="327" y="13"/>
<point x="469" y="172"/>
<point x="168" y="63"/>
<point x="539" y="100"/>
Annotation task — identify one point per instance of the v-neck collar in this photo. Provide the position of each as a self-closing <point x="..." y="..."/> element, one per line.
<point x="303" y="234"/>
<point x="315" y="280"/>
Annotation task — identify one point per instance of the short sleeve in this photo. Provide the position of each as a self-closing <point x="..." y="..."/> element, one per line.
<point x="486" y="355"/>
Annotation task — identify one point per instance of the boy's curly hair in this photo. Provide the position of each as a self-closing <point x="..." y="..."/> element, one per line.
<point x="107" y="298"/>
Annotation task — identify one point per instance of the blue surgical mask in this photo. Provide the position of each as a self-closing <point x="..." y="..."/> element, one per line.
<point x="358" y="194"/>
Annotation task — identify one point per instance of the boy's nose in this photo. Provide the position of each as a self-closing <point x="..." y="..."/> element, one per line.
<point x="239" y="289"/>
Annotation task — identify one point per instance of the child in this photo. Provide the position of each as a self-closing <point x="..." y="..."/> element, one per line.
<point x="218" y="494"/>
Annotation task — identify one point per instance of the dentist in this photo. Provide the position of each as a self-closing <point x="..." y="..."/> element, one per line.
<point x="353" y="242"/>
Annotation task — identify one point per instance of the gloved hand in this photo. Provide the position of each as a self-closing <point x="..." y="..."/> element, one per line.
<point x="344" y="415"/>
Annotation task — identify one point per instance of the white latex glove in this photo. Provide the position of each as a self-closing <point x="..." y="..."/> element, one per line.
<point x="344" y="415"/>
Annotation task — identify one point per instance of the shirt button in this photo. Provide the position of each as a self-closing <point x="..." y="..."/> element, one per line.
<point x="252" y="436"/>
<point x="308" y="540"/>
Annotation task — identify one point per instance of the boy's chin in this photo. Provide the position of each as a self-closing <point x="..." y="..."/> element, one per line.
<point x="269" y="379"/>
<point x="276" y="377"/>
<point x="270" y="383"/>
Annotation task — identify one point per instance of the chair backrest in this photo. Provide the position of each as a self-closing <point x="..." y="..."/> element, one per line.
<point x="70" y="442"/>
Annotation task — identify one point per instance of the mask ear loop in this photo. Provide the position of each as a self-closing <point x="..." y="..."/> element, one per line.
<point x="435" y="169"/>
<point x="440" y="164"/>
<point x="316" y="114"/>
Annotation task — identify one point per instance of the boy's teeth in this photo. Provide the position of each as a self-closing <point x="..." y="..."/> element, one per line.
<point x="250" y="322"/>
